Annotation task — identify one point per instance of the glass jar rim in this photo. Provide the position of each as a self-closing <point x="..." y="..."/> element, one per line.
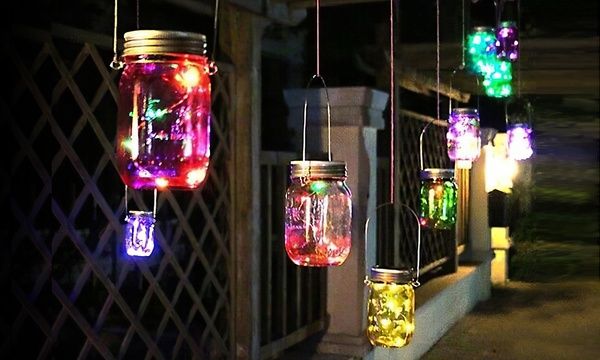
<point x="315" y="169"/>
<point x="391" y="275"/>
<point x="435" y="173"/>
<point x="142" y="42"/>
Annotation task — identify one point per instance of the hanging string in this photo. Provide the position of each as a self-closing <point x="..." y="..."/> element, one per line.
<point x="126" y="200"/>
<point x="462" y="49"/>
<point x="318" y="6"/>
<point x="392" y="102"/>
<point x="154" y="205"/>
<point x="519" y="62"/>
<point x="137" y="14"/>
<point x="215" y="30"/>
<point x="437" y="72"/>
<point x="116" y="63"/>
<point x="437" y="57"/>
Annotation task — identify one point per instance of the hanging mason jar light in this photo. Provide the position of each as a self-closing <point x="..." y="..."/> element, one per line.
<point x="163" y="130"/>
<point x="463" y="137"/>
<point x="507" y="41"/>
<point x="519" y="114"/>
<point x="390" y="307"/>
<point x="480" y="49"/>
<point x="139" y="233"/>
<point x="438" y="199"/>
<point x="318" y="214"/>
<point x="498" y="78"/>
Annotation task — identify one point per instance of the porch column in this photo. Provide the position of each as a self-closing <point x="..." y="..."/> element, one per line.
<point x="356" y="115"/>
<point x="240" y="40"/>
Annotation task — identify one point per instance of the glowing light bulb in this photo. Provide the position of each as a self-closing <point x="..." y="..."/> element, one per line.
<point x="189" y="76"/>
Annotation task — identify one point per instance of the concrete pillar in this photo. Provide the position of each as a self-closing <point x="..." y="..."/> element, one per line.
<point x="479" y="246"/>
<point x="356" y="115"/>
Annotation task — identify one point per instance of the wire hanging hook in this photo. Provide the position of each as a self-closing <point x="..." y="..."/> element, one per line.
<point x="116" y="63"/>
<point x="315" y="76"/>
<point x="415" y="281"/>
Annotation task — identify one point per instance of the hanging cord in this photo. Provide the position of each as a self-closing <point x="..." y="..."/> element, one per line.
<point x="126" y="200"/>
<point x="116" y="63"/>
<point x="462" y="63"/>
<point x="315" y="76"/>
<point x="392" y="102"/>
<point x="318" y="25"/>
<point x="328" y="118"/>
<point x="215" y="30"/>
<point x="519" y="62"/>
<point x="437" y="72"/>
<point x="415" y="282"/>
<point x="137" y="14"/>
<point x="154" y="204"/>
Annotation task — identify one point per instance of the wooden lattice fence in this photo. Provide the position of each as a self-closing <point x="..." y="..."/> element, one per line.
<point x="72" y="294"/>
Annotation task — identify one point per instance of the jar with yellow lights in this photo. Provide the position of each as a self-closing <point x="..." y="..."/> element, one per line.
<point x="163" y="129"/>
<point x="438" y="199"/>
<point x="318" y="214"/>
<point x="390" y="307"/>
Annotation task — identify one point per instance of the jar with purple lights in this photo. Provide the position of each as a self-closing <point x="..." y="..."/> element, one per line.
<point x="463" y="137"/>
<point x="507" y="41"/>
<point x="519" y="114"/>
<point x="318" y="214"/>
<point x="163" y="129"/>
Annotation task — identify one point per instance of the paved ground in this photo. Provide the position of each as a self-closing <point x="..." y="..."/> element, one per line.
<point x="523" y="320"/>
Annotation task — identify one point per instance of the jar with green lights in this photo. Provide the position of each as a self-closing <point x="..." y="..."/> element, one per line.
<point x="390" y="307"/>
<point x="439" y="194"/>
<point x="480" y="49"/>
<point x="163" y="121"/>
<point x="318" y="214"/>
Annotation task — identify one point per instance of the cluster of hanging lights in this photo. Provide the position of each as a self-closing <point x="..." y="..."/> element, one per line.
<point x="163" y="120"/>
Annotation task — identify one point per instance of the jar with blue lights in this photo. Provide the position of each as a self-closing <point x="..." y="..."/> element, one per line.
<point x="163" y="129"/>
<point x="390" y="307"/>
<point x="438" y="199"/>
<point x="318" y="214"/>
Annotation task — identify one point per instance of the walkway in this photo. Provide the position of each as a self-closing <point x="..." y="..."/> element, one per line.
<point x="523" y="320"/>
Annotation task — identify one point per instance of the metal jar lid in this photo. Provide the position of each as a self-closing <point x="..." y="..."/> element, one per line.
<point x="396" y="276"/>
<point x="464" y="111"/>
<point x="509" y="23"/>
<point x="142" y="42"/>
<point x="485" y="29"/>
<point x="428" y="174"/>
<point x="318" y="169"/>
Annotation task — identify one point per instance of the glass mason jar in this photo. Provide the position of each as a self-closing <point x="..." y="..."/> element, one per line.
<point x="318" y="214"/>
<point x="390" y="307"/>
<point x="139" y="233"/>
<point x="163" y="129"/>
<point x="519" y="116"/>
<point x="463" y="137"/>
<point x="507" y="41"/>
<point x="438" y="199"/>
<point x="480" y="49"/>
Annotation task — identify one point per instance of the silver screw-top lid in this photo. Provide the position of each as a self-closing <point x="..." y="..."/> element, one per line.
<point x="396" y="276"/>
<point x="141" y="42"/>
<point x="508" y="23"/>
<point x="462" y="111"/>
<point x="429" y="174"/>
<point x="318" y="169"/>
<point x="483" y="29"/>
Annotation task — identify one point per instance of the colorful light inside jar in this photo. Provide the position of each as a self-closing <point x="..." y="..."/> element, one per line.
<point x="163" y="129"/>
<point x="318" y="214"/>
<point x="520" y="141"/>
<point x="519" y="116"/>
<point x="498" y="78"/>
<point x="507" y="41"/>
<point x="463" y="137"/>
<point x="438" y="199"/>
<point x="480" y="47"/>
<point x="390" y="307"/>
<point x="139" y="233"/>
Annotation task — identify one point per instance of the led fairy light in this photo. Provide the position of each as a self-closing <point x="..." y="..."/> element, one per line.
<point x="318" y="202"/>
